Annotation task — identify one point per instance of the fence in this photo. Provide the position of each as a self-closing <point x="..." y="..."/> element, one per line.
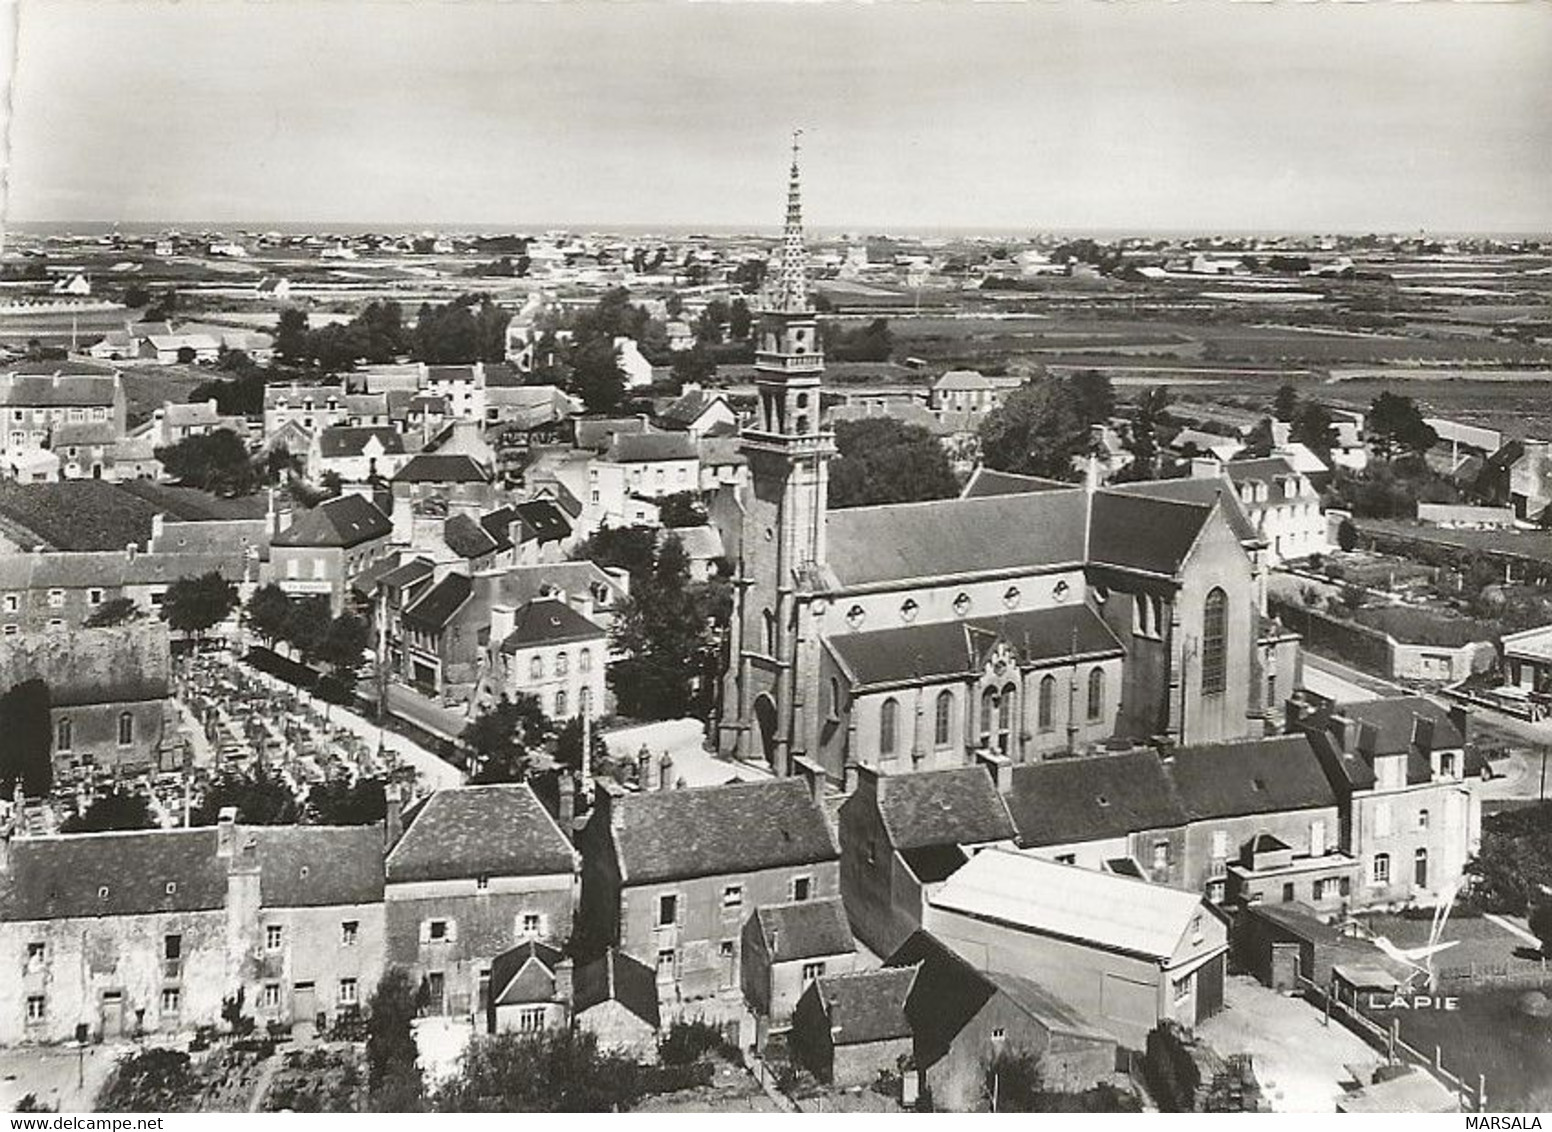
<point x="1394" y="1047"/>
<point x="1524" y="973"/>
<point x="1356" y="644"/>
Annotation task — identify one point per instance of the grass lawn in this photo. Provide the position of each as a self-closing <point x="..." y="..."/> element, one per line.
<point x="149" y="387"/>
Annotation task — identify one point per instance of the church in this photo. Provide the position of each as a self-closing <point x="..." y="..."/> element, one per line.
<point x="1026" y="618"/>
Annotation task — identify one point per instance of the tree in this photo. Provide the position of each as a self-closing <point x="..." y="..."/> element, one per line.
<point x="1347" y="534"/>
<point x="1395" y="423"/>
<point x="568" y="746"/>
<point x="664" y="632"/>
<point x="1315" y="428"/>
<point x="1015" y="1083"/>
<point x="25" y="756"/>
<point x="118" y="611"/>
<point x="596" y="376"/>
<point x="1093" y="394"/>
<point x="1513" y="867"/>
<point x="196" y="605"/>
<point x="291" y="337"/>
<point x="1036" y="431"/>
<point x="503" y="740"/>
<point x="261" y="798"/>
<point x="681" y="509"/>
<point x="214" y="461"/>
<point x="693" y="366"/>
<point x="552" y="1071"/>
<point x="268" y="614"/>
<point x="882" y="460"/>
<point x="1541" y="925"/>
<point x="739" y="319"/>
<point x="1285" y="406"/>
<point x="471" y="328"/>
<point x="343" y="644"/>
<point x="634" y="549"/>
<point x="308" y="625"/>
<point x="115" y="810"/>
<point x="1259" y="442"/>
<point x="393" y="1073"/>
<point x="870" y="343"/>
<point x="338" y="801"/>
<point x="1142" y="439"/>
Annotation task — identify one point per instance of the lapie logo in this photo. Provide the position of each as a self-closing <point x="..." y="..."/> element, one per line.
<point x="1401" y="1001"/>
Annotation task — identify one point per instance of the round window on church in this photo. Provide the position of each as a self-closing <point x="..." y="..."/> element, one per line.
<point x="1061" y="590"/>
<point x="855" y="616"/>
<point x="1011" y="597"/>
<point x="962" y="604"/>
<point x="909" y="609"/>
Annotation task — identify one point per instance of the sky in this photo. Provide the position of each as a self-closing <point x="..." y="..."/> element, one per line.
<point x="1052" y="115"/>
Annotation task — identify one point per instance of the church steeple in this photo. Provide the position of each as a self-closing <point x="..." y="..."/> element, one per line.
<point x="790" y="294"/>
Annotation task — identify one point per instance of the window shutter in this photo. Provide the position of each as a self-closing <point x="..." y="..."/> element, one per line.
<point x="452" y="931"/>
<point x="425" y="931"/>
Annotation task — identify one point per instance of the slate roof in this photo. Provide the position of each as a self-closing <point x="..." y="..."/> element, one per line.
<point x="954" y="806"/>
<point x="1092" y="797"/>
<point x="311" y="866"/>
<point x="1024" y="891"/>
<point x="986" y="481"/>
<point x="1261" y="469"/>
<point x="549" y="621"/>
<point x="688" y="407"/>
<point x="740" y="827"/>
<point x="467" y="538"/>
<point x="616" y="977"/>
<point x="1141" y="533"/>
<point x="598" y="432"/>
<point x="498" y="525"/>
<point x="948" y="992"/>
<point x="647" y="447"/>
<point x="295" y="396"/>
<point x="866" y="1006"/>
<point x="933" y="863"/>
<point x="407" y="573"/>
<point x="434" y="608"/>
<point x="476" y="831"/>
<point x="440" y="468"/>
<point x="351" y="440"/>
<point x="1393" y="720"/>
<point x="1201" y="490"/>
<point x="543" y="520"/>
<point x="942" y="649"/>
<point x="519" y="585"/>
<point x="973" y="380"/>
<point x="804" y="929"/>
<point x="508" y="986"/>
<point x="344" y="521"/>
<point x="66" y="390"/>
<point x="113" y="874"/>
<point x="948" y="537"/>
<point x="1254" y="776"/>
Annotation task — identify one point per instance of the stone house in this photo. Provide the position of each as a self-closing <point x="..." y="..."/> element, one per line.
<point x="477" y="871"/>
<point x="670" y="876"/>
<point x="614" y="997"/>
<point x="846" y="1028"/>
<point x="784" y="947"/>
<point x="530" y="990"/>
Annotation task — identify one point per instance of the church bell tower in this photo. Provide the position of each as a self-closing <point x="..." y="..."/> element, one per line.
<point x="789" y="449"/>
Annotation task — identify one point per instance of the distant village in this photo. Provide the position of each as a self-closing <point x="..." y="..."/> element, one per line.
<point x="687" y="659"/>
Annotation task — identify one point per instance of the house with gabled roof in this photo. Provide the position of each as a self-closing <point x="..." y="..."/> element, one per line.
<point x="848" y="1028"/>
<point x="313" y="407"/>
<point x="679" y="901"/>
<point x="1408" y="789"/>
<point x="903" y="834"/>
<point x="785" y="947"/>
<point x="614" y="997"/>
<point x="357" y="454"/>
<point x="1124" y="952"/>
<point x="151" y="931"/>
<point x="477" y="871"/>
<point x="323" y="550"/>
<point x="530" y="990"/>
<point x="699" y="412"/>
<point x="961" y="1018"/>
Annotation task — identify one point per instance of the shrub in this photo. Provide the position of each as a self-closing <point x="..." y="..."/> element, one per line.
<point x="686" y="1042"/>
<point x="151" y="1080"/>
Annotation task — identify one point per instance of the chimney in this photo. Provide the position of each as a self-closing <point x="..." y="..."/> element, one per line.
<point x="1000" y="767"/>
<point x="226" y="833"/>
<point x="1205" y="468"/>
<point x="1422" y="733"/>
<point x="563" y="983"/>
<point x="1460" y="718"/>
<point x="393" y="814"/>
<point x="1344" y="732"/>
<point x="813" y="774"/>
<point x="566" y="816"/>
<point x="158" y="524"/>
<point x="503" y="619"/>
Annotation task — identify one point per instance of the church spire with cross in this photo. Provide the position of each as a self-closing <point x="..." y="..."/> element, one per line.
<point x="790" y="293"/>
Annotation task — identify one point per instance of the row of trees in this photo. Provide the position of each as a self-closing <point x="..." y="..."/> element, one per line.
<point x="307" y="627"/>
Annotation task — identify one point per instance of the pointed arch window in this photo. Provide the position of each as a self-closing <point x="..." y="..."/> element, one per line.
<point x="1046" y="706"/>
<point x="1005" y="718"/>
<point x="988" y="716"/>
<point x="1215" y="633"/>
<point x="889" y="727"/>
<point x="1096" y="694"/>
<point x="943" y="719"/>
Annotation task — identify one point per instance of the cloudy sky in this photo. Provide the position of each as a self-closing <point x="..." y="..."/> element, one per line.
<point x="1055" y="114"/>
